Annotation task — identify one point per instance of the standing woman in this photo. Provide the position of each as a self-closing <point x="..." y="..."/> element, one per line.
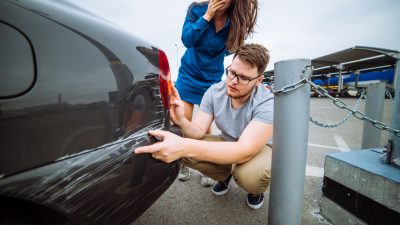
<point x="212" y="29"/>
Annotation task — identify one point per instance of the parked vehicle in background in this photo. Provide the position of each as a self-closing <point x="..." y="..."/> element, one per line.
<point x="333" y="92"/>
<point x="349" y="92"/>
<point x="352" y="91"/>
<point x="314" y="93"/>
<point x="77" y="96"/>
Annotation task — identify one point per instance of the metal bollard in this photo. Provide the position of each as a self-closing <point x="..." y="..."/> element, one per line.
<point x="290" y="139"/>
<point x="373" y="109"/>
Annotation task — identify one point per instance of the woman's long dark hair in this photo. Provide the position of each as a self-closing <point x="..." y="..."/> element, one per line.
<point x="243" y="16"/>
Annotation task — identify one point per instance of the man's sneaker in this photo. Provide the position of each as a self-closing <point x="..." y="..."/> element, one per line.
<point x="184" y="173"/>
<point x="206" y="181"/>
<point x="255" y="201"/>
<point x="221" y="187"/>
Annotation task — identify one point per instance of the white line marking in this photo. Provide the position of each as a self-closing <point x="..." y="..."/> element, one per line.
<point x="314" y="171"/>
<point x="324" y="146"/>
<point x="343" y="147"/>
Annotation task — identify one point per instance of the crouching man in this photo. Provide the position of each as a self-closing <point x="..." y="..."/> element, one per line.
<point x="243" y="110"/>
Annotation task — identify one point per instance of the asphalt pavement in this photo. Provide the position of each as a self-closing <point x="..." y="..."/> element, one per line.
<point x="189" y="203"/>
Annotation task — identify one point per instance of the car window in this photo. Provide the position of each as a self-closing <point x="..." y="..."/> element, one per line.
<point x="16" y="62"/>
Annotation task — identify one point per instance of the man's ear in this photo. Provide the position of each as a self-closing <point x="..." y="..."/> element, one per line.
<point x="259" y="79"/>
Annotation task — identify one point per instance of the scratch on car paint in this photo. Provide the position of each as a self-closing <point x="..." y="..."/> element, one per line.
<point x="68" y="186"/>
<point x="110" y="165"/>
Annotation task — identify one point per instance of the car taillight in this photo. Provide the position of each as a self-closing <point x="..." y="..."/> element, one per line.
<point x="165" y="79"/>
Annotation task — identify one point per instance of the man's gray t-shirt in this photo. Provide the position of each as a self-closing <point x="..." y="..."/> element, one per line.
<point x="232" y="121"/>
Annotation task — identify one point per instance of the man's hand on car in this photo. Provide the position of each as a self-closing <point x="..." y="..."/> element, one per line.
<point x="168" y="150"/>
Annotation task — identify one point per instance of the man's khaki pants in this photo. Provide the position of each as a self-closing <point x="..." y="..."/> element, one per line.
<point x="253" y="176"/>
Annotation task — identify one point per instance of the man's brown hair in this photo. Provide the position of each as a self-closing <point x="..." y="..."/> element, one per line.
<point x="254" y="54"/>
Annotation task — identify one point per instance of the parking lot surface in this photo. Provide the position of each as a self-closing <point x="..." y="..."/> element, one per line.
<point x="190" y="203"/>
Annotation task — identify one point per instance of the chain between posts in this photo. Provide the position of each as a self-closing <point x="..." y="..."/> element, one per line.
<point x="289" y="88"/>
<point x="337" y="102"/>
<point x="294" y="86"/>
<point x="359" y="115"/>
<point x="356" y="107"/>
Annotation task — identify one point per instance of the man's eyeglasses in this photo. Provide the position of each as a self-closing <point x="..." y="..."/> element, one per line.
<point x="240" y="78"/>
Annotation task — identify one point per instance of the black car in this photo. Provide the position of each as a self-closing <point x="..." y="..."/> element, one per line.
<point x="77" y="96"/>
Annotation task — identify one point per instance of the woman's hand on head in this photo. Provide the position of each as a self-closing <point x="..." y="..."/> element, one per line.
<point x="213" y="7"/>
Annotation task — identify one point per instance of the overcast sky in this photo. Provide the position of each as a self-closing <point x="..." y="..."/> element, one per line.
<point x="290" y="29"/>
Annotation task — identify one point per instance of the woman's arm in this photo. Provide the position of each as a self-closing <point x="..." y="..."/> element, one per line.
<point x="195" y="25"/>
<point x="193" y="28"/>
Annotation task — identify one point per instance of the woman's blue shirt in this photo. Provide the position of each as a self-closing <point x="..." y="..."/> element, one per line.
<point x="203" y="62"/>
